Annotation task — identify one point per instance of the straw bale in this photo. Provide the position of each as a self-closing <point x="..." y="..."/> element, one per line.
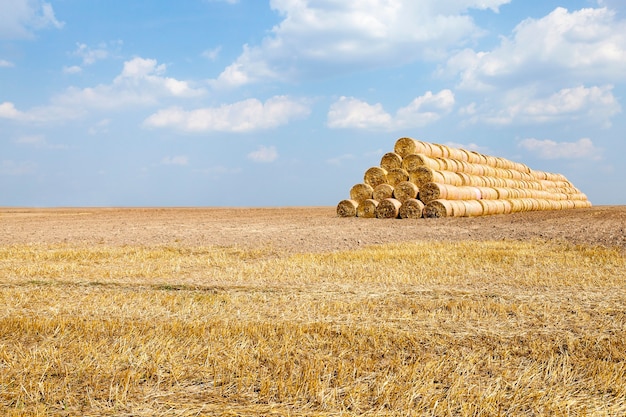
<point x="412" y="161"/>
<point x="397" y="175"/>
<point x="488" y="193"/>
<point x="388" y="208"/>
<point x="438" y="208"/>
<point x="391" y="160"/>
<point x="405" y="191"/>
<point x="407" y="146"/>
<point x="382" y="191"/>
<point x="347" y="208"/>
<point x="367" y="209"/>
<point x="435" y="149"/>
<point x="375" y="176"/>
<point x="361" y="192"/>
<point x="472" y="208"/>
<point x="412" y="208"/>
<point x="445" y="150"/>
<point x="458" y="154"/>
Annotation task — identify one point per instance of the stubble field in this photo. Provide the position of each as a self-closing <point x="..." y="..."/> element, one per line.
<point x="293" y="311"/>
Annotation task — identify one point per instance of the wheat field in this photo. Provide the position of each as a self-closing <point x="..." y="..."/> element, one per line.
<point x="492" y="328"/>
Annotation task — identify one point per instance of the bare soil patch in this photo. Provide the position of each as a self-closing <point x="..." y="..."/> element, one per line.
<point x="297" y="229"/>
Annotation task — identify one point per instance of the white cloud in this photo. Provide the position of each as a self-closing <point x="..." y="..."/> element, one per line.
<point x="318" y="38"/>
<point x="175" y="160"/>
<point x="587" y="45"/>
<point x="74" y="69"/>
<point x="6" y="64"/>
<point x="595" y="105"/>
<point x="212" y="54"/>
<point x="549" y="149"/>
<point x="264" y="154"/>
<point x="349" y="112"/>
<point x="17" y="168"/>
<point x="243" y="116"/>
<point x="37" y="141"/>
<point x="20" y="18"/>
<point x="90" y="55"/>
<point x="338" y="160"/>
<point x="141" y="83"/>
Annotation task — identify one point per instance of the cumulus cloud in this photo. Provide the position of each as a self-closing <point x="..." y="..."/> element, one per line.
<point x="315" y="39"/>
<point x="549" y="149"/>
<point x="141" y="83"/>
<point x="596" y="105"/>
<point x="6" y="64"/>
<point x="349" y="112"/>
<point x="20" y="18"/>
<point x="243" y="116"/>
<point x="264" y="154"/>
<point x="90" y="55"/>
<point x="587" y="44"/>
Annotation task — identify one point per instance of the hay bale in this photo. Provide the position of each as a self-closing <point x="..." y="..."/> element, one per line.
<point x="367" y="209"/>
<point x="415" y="160"/>
<point x="382" y="192"/>
<point x="397" y="175"/>
<point x="347" y="208"/>
<point x="389" y="208"/>
<point x="473" y="208"/>
<point x="412" y="208"/>
<point x="438" y="208"/>
<point x="391" y="160"/>
<point x="375" y="176"/>
<point x="361" y="192"/>
<point x="407" y="146"/>
<point x="424" y="175"/>
<point x="405" y="191"/>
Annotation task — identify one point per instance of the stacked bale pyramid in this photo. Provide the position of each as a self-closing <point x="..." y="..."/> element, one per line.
<point x="422" y="179"/>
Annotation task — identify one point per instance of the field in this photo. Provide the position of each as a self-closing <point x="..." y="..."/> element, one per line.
<point x="293" y="311"/>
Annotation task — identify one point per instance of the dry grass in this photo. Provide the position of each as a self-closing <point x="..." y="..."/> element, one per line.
<point x="470" y="329"/>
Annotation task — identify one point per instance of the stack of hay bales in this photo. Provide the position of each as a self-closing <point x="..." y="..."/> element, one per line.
<point x="422" y="179"/>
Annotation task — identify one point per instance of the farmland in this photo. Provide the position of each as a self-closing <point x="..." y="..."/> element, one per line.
<point x="293" y="311"/>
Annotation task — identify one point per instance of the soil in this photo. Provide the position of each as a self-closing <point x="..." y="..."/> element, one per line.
<point x="297" y="229"/>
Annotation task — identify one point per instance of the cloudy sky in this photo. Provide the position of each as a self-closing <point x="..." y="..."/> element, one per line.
<point x="288" y="102"/>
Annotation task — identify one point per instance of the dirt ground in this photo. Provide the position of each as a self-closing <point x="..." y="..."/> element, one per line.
<point x="297" y="229"/>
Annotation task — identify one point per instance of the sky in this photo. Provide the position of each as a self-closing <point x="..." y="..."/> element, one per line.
<point x="288" y="102"/>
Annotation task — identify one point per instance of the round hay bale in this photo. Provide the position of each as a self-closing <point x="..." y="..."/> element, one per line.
<point x="434" y="191"/>
<point x="397" y="175"/>
<point x="438" y="208"/>
<point x="422" y="175"/>
<point x="347" y="208"/>
<point x="412" y="208"/>
<point x="367" y="209"/>
<point x="473" y="208"/>
<point x="382" y="191"/>
<point x="435" y="150"/>
<point x="375" y="176"/>
<point x="488" y="193"/>
<point x="388" y="208"/>
<point x="445" y="150"/>
<point x="458" y="208"/>
<point x="361" y="192"/>
<point x="413" y="161"/>
<point x="405" y="191"/>
<point x="489" y="207"/>
<point x="407" y="146"/>
<point x="391" y="160"/>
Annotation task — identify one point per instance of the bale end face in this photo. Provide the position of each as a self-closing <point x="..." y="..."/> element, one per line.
<point x="347" y="208"/>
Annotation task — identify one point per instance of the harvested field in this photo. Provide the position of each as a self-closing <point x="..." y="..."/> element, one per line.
<point x="302" y="229"/>
<point x="294" y="311"/>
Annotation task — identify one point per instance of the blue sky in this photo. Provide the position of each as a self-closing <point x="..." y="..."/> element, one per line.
<point x="288" y="102"/>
